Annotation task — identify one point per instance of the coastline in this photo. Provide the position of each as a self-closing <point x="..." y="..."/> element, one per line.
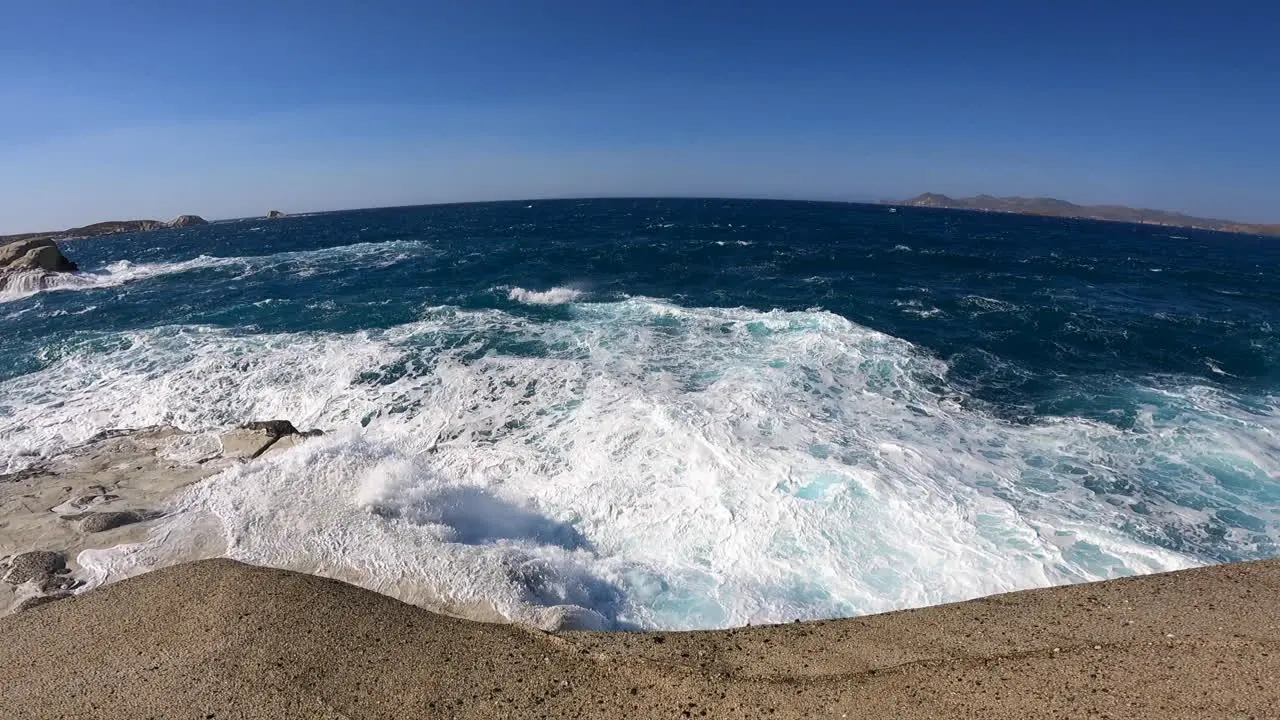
<point x="111" y="490"/>
<point x="1053" y="207"/>
<point x="218" y="639"/>
<point x="171" y="643"/>
<point x="225" y="639"/>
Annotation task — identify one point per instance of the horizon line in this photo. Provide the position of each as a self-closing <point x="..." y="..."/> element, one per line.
<point x="746" y="198"/>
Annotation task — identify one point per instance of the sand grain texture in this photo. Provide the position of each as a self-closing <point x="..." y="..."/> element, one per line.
<point x="217" y="639"/>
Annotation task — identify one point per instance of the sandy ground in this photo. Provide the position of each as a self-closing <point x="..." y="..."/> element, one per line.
<point x="216" y="639"/>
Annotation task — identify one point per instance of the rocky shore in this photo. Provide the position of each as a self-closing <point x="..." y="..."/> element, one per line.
<point x="106" y="492"/>
<point x="217" y="639"/>
<point x="212" y="638"/>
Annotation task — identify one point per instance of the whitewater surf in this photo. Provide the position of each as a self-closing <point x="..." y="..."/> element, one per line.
<point x="677" y="414"/>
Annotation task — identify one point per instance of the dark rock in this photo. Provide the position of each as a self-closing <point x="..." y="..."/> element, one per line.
<point x="144" y="434"/>
<point x="39" y="600"/>
<point x="275" y="429"/>
<point x="112" y="227"/>
<point x="313" y="433"/>
<point x="35" y="565"/>
<point x="21" y="475"/>
<point x="64" y="582"/>
<point x="188" y="221"/>
<point x="102" y="521"/>
<point x="109" y="435"/>
<point x="90" y="499"/>
<point x="275" y="214"/>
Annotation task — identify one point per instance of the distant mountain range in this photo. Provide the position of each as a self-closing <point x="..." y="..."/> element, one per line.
<point x="1062" y="208"/>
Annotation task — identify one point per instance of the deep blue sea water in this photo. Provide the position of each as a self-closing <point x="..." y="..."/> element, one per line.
<point x="682" y="413"/>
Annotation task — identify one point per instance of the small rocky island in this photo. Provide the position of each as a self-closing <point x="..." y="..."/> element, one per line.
<point x="110" y="227"/>
<point x="275" y="215"/>
<point x="188" y="221"/>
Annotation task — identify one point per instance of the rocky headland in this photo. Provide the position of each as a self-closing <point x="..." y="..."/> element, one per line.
<point x="110" y="227"/>
<point x="1054" y="207"/>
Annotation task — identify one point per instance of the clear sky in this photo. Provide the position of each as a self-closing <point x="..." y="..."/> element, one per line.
<point x="228" y="108"/>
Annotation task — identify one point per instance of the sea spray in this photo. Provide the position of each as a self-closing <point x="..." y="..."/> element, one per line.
<point x="758" y="412"/>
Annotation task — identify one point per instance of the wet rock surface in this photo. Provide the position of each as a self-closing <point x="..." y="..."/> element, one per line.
<point x="35" y="565"/>
<point x="102" y="521"/>
<point x="38" y="600"/>
<point x="104" y="493"/>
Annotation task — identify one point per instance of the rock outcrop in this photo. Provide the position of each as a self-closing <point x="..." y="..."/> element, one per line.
<point x="275" y="214"/>
<point x="28" y="263"/>
<point x="34" y="254"/>
<point x="188" y="221"/>
<point x="34" y="566"/>
<point x="96" y="522"/>
<point x="255" y="439"/>
<point x="108" y="491"/>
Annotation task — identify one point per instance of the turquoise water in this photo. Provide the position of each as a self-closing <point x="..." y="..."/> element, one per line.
<point x="683" y="413"/>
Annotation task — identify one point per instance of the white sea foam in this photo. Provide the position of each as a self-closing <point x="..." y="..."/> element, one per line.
<point x="82" y="311"/>
<point x="554" y="296"/>
<point x="663" y="466"/>
<point x="23" y="285"/>
<point x="917" y="308"/>
<point x="305" y="263"/>
<point x="987" y="305"/>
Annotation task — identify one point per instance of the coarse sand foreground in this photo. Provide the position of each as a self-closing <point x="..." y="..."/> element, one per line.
<point x="217" y="639"/>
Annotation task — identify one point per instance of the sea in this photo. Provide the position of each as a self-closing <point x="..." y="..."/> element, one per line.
<point x="679" y="414"/>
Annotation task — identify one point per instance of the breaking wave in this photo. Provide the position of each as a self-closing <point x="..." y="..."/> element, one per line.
<point x="298" y="264"/>
<point x="1032" y="407"/>
<point x="25" y="284"/>
<point x="554" y="296"/>
<point x="660" y="466"/>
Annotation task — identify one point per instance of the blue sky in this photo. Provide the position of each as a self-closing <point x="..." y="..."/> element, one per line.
<point x="231" y="108"/>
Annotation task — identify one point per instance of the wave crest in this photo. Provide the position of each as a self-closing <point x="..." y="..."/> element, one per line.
<point x="25" y="284"/>
<point x="554" y="296"/>
<point x="794" y="464"/>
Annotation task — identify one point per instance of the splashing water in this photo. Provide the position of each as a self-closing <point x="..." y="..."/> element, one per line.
<point x="665" y="462"/>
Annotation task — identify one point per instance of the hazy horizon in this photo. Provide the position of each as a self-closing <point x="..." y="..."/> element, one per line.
<point x="152" y="110"/>
<point x="317" y="211"/>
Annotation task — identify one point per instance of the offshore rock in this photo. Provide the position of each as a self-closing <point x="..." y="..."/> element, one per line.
<point x="34" y="254"/>
<point x="28" y="264"/>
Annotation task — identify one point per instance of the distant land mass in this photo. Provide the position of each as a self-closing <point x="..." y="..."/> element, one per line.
<point x="110" y="227"/>
<point x="1061" y="208"/>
